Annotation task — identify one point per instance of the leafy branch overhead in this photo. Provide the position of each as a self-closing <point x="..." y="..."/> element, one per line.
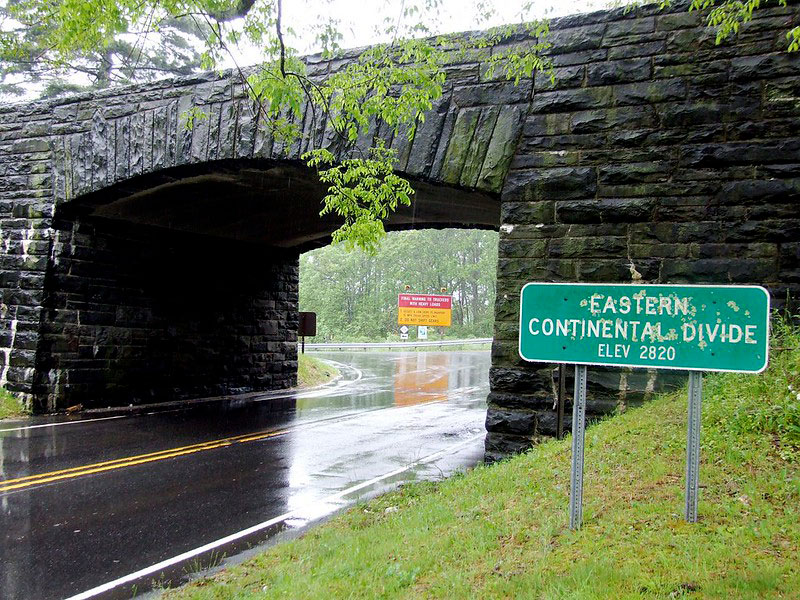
<point x="386" y="86"/>
<point x="726" y="17"/>
<point x="376" y="95"/>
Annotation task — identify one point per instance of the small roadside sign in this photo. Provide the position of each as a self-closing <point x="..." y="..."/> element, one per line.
<point x="307" y="326"/>
<point x="422" y="332"/>
<point x="424" y="309"/>
<point x="403" y="336"/>
<point x="404" y="329"/>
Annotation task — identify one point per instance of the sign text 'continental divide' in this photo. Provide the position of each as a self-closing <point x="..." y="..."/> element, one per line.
<point x="710" y="328"/>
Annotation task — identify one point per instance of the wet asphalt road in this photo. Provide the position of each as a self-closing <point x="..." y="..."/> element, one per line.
<point x="85" y="503"/>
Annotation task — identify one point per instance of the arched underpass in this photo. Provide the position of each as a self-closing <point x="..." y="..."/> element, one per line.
<point x="183" y="283"/>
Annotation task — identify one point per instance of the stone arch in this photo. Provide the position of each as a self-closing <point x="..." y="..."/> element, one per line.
<point x="108" y="160"/>
<point x="466" y="140"/>
<point x="655" y="153"/>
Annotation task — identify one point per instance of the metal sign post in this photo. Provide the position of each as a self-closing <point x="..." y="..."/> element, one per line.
<point x="578" y="438"/>
<point x="693" y="444"/>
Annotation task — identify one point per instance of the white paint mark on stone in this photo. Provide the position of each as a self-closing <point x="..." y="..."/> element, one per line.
<point x="7" y="354"/>
<point x="652" y="374"/>
<point x="27" y="237"/>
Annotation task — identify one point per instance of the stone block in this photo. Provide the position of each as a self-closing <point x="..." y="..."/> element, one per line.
<point x="632" y="26"/>
<point x="634" y="173"/>
<point x="527" y="212"/>
<point x="563" y="77"/>
<point x="727" y="270"/>
<point x="572" y="100"/>
<point x="618" y="71"/>
<point x="582" y="58"/>
<point x="550" y="184"/>
<point x="764" y="66"/>
<point x="636" y="50"/>
<point x="576" y="39"/>
<point x="621" y="270"/>
<point x="546" y="124"/>
<point x="605" y="210"/>
<point x="525" y="380"/>
<point x="614" y="119"/>
<point x="516" y="422"/>
<point x="760" y="191"/>
<point x="650" y="92"/>
<point x="476" y="154"/>
<point x="493" y="94"/>
<point x="459" y="144"/>
<point x="678" y="20"/>
<point x="587" y="247"/>
<point x="499" y="446"/>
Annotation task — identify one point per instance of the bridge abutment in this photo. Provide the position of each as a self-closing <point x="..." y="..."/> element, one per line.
<point x="135" y="314"/>
<point x="656" y="157"/>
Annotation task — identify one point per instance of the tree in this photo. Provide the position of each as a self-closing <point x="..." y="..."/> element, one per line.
<point x="355" y="294"/>
<point x="28" y="58"/>
<point x="391" y="83"/>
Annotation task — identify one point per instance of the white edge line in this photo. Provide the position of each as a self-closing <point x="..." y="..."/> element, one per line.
<point x="298" y="395"/>
<point x="260" y="526"/>
<point x="76" y="422"/>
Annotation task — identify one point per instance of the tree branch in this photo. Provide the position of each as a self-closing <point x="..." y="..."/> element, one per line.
<point x="280" y="38"/>
<point x="240" y="10"/>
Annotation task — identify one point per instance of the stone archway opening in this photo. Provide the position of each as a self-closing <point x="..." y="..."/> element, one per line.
<point x="183" y="283"/>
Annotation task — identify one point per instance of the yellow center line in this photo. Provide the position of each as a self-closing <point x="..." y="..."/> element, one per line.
<point x="130" y="461"/>
<point x="110" y="465"/>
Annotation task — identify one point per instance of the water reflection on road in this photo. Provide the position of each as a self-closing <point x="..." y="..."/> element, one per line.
<point x="223" y="468"/>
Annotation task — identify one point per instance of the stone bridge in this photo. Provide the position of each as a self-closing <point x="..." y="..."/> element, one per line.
<point x="146" y="261"/>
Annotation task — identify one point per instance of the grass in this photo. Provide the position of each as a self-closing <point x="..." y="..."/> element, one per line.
<point x="10" y="406"/>
<point x="500" y="531"/>
<point x="313" y="371"/>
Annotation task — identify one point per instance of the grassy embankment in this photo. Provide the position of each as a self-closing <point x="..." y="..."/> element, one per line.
<point x="499" y="531"/>
<point x="313" y="371"/>
<point x="10" y="406"/>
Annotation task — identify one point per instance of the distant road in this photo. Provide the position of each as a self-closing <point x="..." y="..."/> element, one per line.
<point x="398" y="344"/>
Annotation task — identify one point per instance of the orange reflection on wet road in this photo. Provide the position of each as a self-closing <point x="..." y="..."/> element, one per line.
<point x="421" y="377"/>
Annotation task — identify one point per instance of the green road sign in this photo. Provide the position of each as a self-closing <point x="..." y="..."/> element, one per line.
<point x="694" y="327"/>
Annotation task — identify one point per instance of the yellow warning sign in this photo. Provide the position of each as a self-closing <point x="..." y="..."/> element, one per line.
<point x="424" y="309"/>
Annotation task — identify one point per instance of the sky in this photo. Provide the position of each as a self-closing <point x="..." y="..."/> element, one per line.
<point x="360" y="18"/>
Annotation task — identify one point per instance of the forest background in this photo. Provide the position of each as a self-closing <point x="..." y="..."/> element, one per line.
<point x="355" y="293"/>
